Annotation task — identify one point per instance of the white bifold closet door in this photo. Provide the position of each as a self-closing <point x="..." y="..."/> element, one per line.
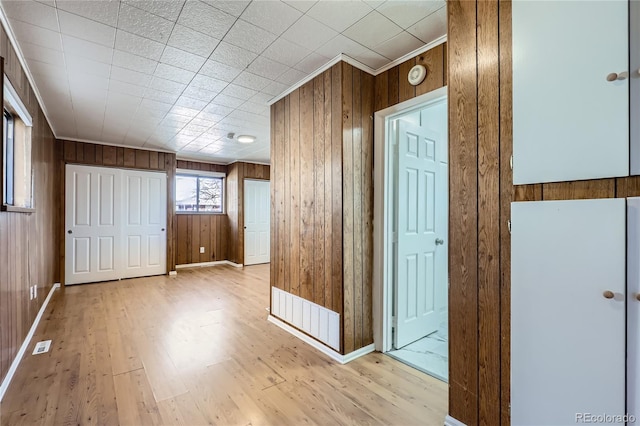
<point x="568" y="306"/>
<point x="633" y="307"/>
<point x="115" y="224"/>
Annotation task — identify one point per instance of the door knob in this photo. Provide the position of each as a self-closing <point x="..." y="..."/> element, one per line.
<point x="162" y="229"/>
<point x="69" y="231"/>
<point x="439" y="241"/>
<point x="608" y="294"/>
<point x="615" y="76"/>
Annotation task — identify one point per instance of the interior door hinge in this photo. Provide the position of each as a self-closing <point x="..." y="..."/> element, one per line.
<point x="509" y="226"/>
<point x="511" y="162"/>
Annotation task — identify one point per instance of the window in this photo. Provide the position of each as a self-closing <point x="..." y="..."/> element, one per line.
<point x="17" y="175"/>
<point x="199" y="193"/>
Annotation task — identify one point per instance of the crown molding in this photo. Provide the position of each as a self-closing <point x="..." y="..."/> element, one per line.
<point x="354" y="62"/>
<point x="4" y="20"/>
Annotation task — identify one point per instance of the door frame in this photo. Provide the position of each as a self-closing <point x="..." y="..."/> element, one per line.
<point x="382" y="211"/>
<point x="244" y="209"/>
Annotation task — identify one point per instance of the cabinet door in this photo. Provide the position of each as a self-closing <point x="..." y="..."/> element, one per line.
<point x="569" y="122"/>
<point x="567" y="335"/>
<point x="633" y="307"/>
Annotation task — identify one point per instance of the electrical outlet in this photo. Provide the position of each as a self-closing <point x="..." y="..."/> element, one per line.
<point x="201" y="249"/>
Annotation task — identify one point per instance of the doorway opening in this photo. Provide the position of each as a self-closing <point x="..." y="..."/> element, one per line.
<point x="411" y="241"/>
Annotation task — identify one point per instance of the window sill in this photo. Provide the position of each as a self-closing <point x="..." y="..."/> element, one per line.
<point x="203" y="213"/>
<point x="14" y="209"/>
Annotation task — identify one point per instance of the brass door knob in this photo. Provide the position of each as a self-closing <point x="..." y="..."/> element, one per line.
<point x="608" y="294"/>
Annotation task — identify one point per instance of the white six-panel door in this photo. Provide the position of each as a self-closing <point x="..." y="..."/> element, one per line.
<point x="93" y="224"/>
<point x="115" y="224"/>
<point x="421" y="257"/>
<point x="257" y="205"/>
<point x="145" y="219"/>
<point x="567" y="310"/>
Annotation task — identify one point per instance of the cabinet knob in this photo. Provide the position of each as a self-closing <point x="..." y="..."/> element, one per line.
<point x="608" y="294"/>
<point x="638" y="297"/>
<point x="615" y="76"/>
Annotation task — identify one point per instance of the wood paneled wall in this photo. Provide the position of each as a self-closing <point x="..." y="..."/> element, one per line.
<point x="201" y="230"/>
<point x="392" y="86"/>
<point x="29" y="248"/>
<point x="236" y="174"/>
<point x="111" y="156"/>
<point x="322" y="197"/>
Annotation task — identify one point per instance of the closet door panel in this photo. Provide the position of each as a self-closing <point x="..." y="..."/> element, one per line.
<point x="633" y="306"/>
<point x="567" y="330"/>
<point x="569" y="121"/>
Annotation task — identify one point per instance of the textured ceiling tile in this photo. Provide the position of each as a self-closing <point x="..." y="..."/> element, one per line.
<point x="172" y="73"/>
<point x="249" y="36"/>
<point x="286" y="52"/>
<point x="398" y="46"/>
<point x="89" y="50"/>
<point x="232" y="55"/>
<point x="180" y="58"/>
<point x="252" y="81"/>
<point x="80" y="64"/>
<point x="267" y="68"/>
<point x="206" y="19"/>
<point x="208" y="117"/>
<point x="90" y="84"/>
<point x="146" y="115"/>
<point x="199" y="93"/>
<point x="340" y="44"/>
<point x="273" y="16"/>
<point x="371" y="59"/>
<point x="32" y="12"/>
<point x="155" y="105"/>
<point x="217" y="109"/>
<point x="165" y="9"/>
<point x="253" y="107"/>
<point x="374" y="3"/>
<point x="275" y="88"/>
<point x="126" y="88"/>
<point x="406" y="13"/>
<point x="105" y="12"/>
<point x="184" y="112"/>
<point x="138" y="45"/>
<point x="196" y="128"/>
<point x="228" y="101"/>
<point x="44" y="70"/>
<point x="311" y="63"/>
<point x="309" y="33"/>
<point x="301" y="5"/>
<point x="372" y="30"/>
<point x="130" y="76"/>
<point x="220" y="71"/>
<point x="36" y="35"/>
<point x="168" y="86"/>
<point x="350" y="13"/>
<point x="144" y="24"/>
<point x="262" y="98"/>
<point x="208" y="83"/>
<point x="42" y="54"/>
<point x="291" y="76"/>
<point x="233" y="7"/>
<point x="134" y="62"/>
<point x="194" y="104"/>
<point x="86" y="29"/>
<point x="238" y="91"/>
<point x="161" y="96"/>
<point x="431" y="27"/>
<point x="192" y="41"/>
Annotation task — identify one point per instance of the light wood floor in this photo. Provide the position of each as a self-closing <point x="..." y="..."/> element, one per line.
<point x="196" y="349"/>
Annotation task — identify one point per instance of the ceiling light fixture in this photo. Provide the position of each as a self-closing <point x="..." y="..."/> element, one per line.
<point x="246" y="139"/>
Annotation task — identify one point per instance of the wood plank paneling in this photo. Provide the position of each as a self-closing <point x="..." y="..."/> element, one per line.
<point x="337" y="257"/>
<point x="293" y="175"/>
<point x="318" y="190"/>
<point x="601" y="188"/>
<point x="488" y="214"/>
<point x="29" y="242"/>
<point x="463" y="211"/>
<point x="306" y="191"/>
<point x="405" y="89"/>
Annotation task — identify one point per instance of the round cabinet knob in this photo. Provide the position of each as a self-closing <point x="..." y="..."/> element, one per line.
<point x="69" y="231"/>
<point x="615" y="76"/>
<point x="638" y="297"/>
<point x="162" y="229"/>
<point x="608" y="294"/>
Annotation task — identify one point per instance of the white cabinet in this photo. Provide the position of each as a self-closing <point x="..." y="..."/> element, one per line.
<point x="569" y="121"/>
<point x="568" y="298"/>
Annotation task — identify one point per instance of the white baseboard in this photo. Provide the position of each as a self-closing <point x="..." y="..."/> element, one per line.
<point x="342" y="359"/>
<point x="450" y="421"/>
<point x="16" y="361"/>
<point x="205" y="264"/>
